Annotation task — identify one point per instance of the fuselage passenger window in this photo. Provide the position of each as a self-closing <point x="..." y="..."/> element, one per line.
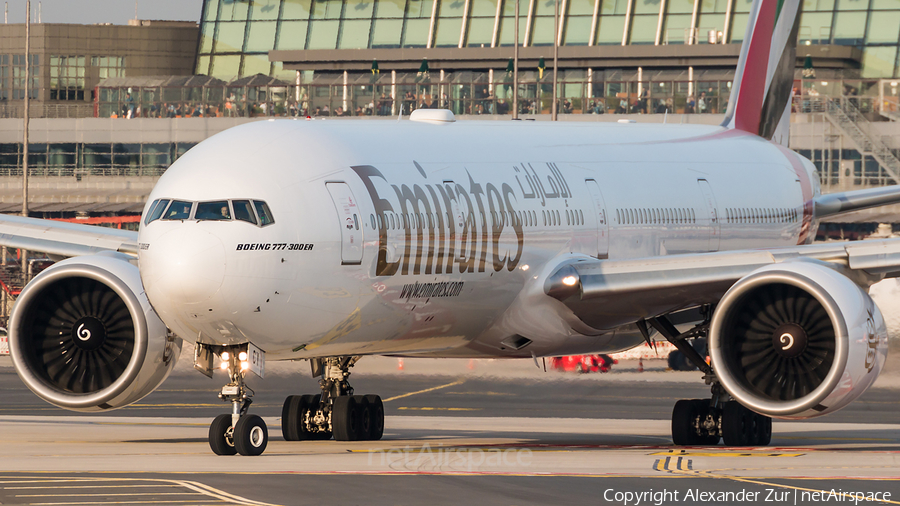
<point x="179" y="210"/>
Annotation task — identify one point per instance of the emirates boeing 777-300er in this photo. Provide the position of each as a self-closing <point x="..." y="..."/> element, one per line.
<point x="333" y="240"/>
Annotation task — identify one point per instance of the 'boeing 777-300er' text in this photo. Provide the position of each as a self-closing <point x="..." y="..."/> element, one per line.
<point x="333" y="240"/>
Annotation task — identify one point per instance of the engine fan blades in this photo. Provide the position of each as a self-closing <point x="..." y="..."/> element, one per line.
<point x="80" y="335"/>
<point x="782" y="341"/>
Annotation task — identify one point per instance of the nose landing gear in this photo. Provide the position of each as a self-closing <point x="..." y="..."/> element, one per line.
<point x="336" y="411"/>
<point x="238" y="432"/>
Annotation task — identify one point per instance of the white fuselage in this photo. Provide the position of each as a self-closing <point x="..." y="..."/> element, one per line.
<point x="415" y="238"/>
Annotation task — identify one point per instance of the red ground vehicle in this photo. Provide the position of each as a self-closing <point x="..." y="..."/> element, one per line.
<point x="583" y="363"/>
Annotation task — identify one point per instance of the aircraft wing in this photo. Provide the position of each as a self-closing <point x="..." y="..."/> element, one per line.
<point x="608" y="293"/>
<point x="63" y="238"/>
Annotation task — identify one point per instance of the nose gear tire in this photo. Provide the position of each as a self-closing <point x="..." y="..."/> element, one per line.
<point x="251" y="435"/>
<point x="220" y="441"/>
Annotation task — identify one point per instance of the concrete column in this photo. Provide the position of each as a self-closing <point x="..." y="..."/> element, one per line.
<point x="628" y="10"/>
<point x="594" y="22"/>
<point x="528" y="22"/>
<point x="727" y="27"/>
<point x="659" y="22"/>
<point x="640" y="86"/>
<point x="692" y="39"/>
<point x="346" y="80"/>
<point x="440" y="97"/>
<point x="590" y="86"/>
<point x="394" y="90"/>
<point x="495" y="38"/>
<point x="690" y="81"/>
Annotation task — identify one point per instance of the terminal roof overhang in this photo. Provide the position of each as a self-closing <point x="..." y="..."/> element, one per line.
<point x="699" y="56"/>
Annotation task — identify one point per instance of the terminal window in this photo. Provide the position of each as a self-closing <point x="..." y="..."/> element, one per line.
<point x="4" y="77"/>
<point x="18" y="76"/>
<point x="67" y="77"/>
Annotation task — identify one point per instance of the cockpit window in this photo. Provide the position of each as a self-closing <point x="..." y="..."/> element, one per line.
<point x="213" y="211"/>
<point x="179" y="210"/>
<point x="262" y="210"/>
<point x="243" y="211"/>
<point x="156" y="210"/>
<point x="255" y="212"/>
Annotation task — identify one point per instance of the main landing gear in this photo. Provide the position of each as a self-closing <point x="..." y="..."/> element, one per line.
<point x="336" y="411"/>
<point x="702" y="422"/>
<point x="238" y="432"/>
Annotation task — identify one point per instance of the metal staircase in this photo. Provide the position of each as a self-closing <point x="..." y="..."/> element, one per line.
<point x="891" y="115"/>
<point x="846" y="116"/>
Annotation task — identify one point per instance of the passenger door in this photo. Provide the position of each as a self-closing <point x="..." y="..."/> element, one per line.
<point x="709" y="202"/>
<point x="600" y="217"/>
<point x="351" y="222"/>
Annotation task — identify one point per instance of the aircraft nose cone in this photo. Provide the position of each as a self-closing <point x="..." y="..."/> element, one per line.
<point x="186" y="266"/>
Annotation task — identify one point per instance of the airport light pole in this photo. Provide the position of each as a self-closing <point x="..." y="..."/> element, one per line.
<point x="553" y="106"/>
<point x="27" y="111"/>
<point x="23" y="257"/>
<point x="516" y="66"/>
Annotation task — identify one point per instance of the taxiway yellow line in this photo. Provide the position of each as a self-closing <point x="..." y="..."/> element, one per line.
<point x="119" y="502"/>
<point x="663" y="465"/>
<point x="792" y="487"/>
<point x="440" y="409"/>
<point x="143" y="494"/>
<point x="683" y="453"/>
<point x="92" y="487"/>
<point x="432" y="389"/>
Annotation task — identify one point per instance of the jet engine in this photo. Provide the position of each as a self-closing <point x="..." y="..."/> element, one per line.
<point x="83" y="336"/>
<point x="797" y="340"/>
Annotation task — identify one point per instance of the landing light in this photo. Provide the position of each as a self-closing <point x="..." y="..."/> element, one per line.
<point x="225" y="355"/>
<point x="525" y="267"/>
<point x="570" y="280"/>
<point x="223" y="365"/>
<point x="242" y="356"/>
<point x="245" y="366"/>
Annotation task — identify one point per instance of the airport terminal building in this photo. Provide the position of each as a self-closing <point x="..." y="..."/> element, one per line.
<point x="237" y="37"/>
<point x="137" y="97"/>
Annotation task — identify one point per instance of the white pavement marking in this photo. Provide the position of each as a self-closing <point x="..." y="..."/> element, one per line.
<point x="464" y="445"/>
<point x="195" y="488"/>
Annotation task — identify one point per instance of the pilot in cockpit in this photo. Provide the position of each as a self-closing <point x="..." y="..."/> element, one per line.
<point x="213" y="211"/>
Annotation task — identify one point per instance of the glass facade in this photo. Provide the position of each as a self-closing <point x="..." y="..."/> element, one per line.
<point x="236" y="35"/>
<point x="86" y="159"/>
<point x="364" y="94"/>
<point x="16" y="88"/>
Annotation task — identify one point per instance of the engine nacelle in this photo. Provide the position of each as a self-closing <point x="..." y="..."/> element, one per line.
<point x="83" y="336"/>
<point x="797" y="340"/>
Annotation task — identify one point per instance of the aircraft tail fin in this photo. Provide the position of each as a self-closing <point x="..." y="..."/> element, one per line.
<point x="760" y="100"/>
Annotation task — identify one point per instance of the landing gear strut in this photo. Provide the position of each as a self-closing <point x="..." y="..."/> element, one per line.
<point x="702" y="422"/>
<point x="336" y="411"/>
<point x="238" y="432"/>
